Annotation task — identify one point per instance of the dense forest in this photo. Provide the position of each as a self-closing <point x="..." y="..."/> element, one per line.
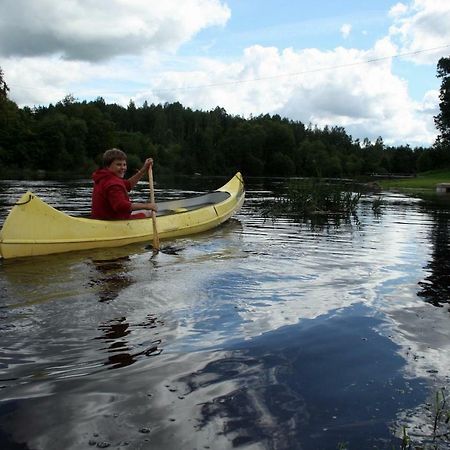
<point x="69" y="138"/>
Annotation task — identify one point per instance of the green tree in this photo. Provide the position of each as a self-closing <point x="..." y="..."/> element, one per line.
<point x="101" y="131"/>
<point x="279" y="139"/>
<point x="313" y="154"/>
<point x="442" y="120"/>
<point x="3" y="86"/>
<point x="51" y="153"/>
<point x="242" y="147"/>
<point x="15" y="130"/>
<point x="71" y="135"/>
<point x="281" y="165"/>
<point x="424" y="161"/>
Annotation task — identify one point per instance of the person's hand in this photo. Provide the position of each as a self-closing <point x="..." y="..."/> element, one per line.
<point x="148" y="163"/>
<point x="152" y="206"/>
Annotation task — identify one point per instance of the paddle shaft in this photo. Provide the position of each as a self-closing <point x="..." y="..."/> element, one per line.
<point x="152" y="199"/>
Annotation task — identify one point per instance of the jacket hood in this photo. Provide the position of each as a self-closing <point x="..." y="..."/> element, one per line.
<point x="102" y="174"/>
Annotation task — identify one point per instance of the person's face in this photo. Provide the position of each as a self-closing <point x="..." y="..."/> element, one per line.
<point x="118" y="167"/>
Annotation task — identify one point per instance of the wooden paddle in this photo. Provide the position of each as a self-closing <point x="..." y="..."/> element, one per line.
<point x="152" y="199"/>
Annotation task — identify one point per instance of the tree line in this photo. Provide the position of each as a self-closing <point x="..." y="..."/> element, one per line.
<point x="70" y="136"/>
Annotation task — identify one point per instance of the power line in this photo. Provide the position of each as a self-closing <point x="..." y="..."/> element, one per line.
<point x="272" y="77"/>
<point x="305" y="72"/>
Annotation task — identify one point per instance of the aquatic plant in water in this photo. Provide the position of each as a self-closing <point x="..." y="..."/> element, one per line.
<point x="317" y="197"/>
<point x="312" y="197"/>
<point x="433" y="434"/>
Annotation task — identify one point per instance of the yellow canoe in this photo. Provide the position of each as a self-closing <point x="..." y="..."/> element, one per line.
<point x="35" y="228"/>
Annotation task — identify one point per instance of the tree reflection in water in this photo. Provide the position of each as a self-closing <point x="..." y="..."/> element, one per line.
<point x="435" y="289"/>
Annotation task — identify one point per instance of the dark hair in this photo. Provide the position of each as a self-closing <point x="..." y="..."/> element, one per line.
<point x="111" y="155"/>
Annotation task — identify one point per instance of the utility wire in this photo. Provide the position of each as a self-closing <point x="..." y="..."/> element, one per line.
<point x="305" y="72"/>
<point x="272" y="77"/>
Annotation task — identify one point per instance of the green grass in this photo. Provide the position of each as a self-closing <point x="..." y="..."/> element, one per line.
<point x="425" y="180"/>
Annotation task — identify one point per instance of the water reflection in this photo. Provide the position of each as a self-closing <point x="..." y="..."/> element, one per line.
<point x="110" y="277"/>
<point x="436" y="286"/>
<point x="121" y="353"/>
<point x="325" y="222"/>
<point x="257" y="335"/>
<point x="295" y="399"/>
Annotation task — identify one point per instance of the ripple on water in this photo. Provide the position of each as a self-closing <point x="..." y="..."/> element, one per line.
<point x="260" y="333"/>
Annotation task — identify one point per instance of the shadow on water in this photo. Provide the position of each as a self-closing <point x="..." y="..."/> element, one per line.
<point x="296" y="398"/>
<point x="121" y="352"/>
<point x="47" y="278"/>
<point x="110" y="277"/>
<point x="55" y="332"/>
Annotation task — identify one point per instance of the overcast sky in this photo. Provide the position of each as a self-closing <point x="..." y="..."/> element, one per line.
<point x="367" y="65"/>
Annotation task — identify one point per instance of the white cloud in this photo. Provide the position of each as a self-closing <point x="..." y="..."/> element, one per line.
<point x="43" y="80"/>
<point x="321" y="87"/>
<point x="430" y="102"/>
<point x="87" y="30"/>
<point x="125" y="52"/>
<point x="422" y="25"/>
<point x="398" y="10"/>
<point x="325" y="88"/>
<point x="345" y="30"/>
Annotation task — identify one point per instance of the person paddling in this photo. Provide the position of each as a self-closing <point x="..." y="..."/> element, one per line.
<point x="110" y="200"/>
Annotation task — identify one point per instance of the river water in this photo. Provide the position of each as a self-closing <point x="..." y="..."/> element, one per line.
<point x="261" y="334"/>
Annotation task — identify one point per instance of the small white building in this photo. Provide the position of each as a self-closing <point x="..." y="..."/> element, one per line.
<point x="443" y="188"/>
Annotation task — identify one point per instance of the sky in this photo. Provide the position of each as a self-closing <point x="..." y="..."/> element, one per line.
<point x="366" y="65"/>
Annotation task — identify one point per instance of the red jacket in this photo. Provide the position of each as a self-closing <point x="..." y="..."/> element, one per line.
<point x="110" y="196"/>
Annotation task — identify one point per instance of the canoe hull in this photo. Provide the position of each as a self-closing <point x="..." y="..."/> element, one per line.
<point x="35" y="228"/>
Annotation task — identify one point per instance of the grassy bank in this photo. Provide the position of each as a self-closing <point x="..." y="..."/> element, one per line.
<point x="425" y="180"/>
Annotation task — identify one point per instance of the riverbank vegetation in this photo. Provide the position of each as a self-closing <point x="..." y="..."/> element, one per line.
<point x="423" y="181"/>
<point x="70" y="136"/>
